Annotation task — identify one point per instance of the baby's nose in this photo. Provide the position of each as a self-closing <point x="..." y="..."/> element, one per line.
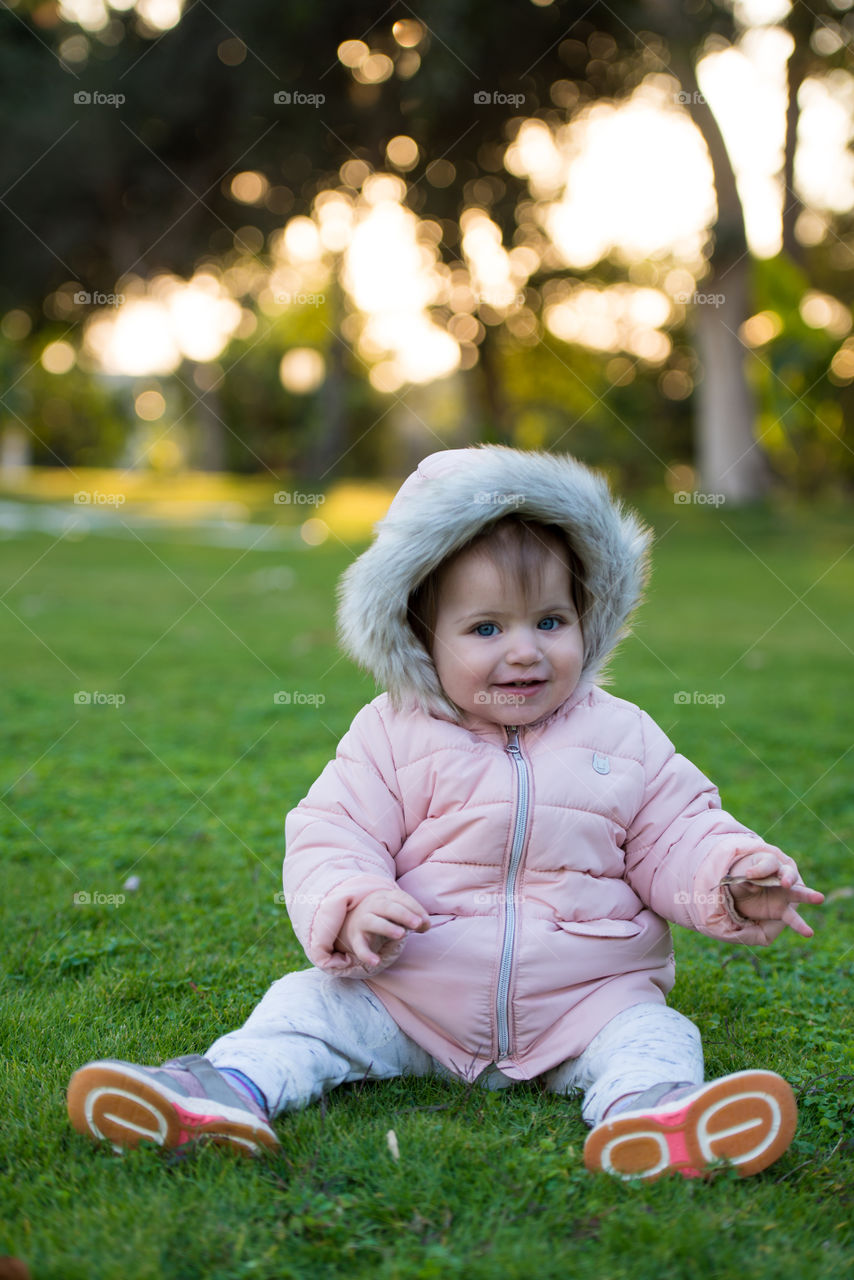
<point x="523" y="646"/>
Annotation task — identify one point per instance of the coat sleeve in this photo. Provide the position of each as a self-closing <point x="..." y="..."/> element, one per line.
<point x="341" y="841"/>
<point x="681" y="844"/>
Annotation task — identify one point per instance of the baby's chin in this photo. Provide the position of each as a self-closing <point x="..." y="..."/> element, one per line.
<point x="506" y="709"/>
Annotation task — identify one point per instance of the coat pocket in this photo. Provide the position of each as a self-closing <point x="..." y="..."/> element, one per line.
<point x="438" y="920"/>
<point x="602" y="928"/>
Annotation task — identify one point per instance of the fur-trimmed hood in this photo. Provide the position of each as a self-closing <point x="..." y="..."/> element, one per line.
<point x="453" y="496"/>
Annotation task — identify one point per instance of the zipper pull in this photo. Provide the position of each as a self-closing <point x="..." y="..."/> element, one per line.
<point x="513" y="742"/>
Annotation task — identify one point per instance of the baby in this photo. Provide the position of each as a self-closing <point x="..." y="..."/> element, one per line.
<point x="481" y="879"/>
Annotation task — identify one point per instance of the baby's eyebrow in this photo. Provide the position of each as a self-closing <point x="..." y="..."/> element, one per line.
<point x="498" y="613"/>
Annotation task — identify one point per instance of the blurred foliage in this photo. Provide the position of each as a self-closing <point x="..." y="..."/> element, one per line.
<point x="94" y="193"/>
<point x="802" y="411"/>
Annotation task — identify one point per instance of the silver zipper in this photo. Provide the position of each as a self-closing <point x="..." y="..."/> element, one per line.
<point x="503" y="996"/>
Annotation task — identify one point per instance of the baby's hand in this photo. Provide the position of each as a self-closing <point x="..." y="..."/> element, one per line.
<point x="764" y="887"/>
<point x="378" y="923"/>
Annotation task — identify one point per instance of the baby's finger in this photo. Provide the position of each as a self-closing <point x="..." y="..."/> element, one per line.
<point x="754" y="866"/>
<point x="397" y="917"/>
<point x="384" y="926"/>
<point x="409" y="913"/>
<point x="414" y="908"/>
<point x="803" y="893"/>
<point x="794" y="921"/>
<point x="363" y="952"/>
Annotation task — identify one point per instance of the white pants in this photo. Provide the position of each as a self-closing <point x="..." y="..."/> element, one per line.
<point x="312" y="1032"/>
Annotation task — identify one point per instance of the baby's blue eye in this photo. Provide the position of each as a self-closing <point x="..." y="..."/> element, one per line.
<point x="552" y="619"/>
<point x="479" y="629"/>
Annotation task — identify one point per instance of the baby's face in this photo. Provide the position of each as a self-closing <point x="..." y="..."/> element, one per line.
<point x="499" y="658"/>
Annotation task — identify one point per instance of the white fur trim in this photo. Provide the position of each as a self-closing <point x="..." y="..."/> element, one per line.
<point x="453" y="496"/>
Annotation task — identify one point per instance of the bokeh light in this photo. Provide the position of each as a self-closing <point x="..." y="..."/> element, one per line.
<point x="249" y="187"/>
<point x="58" y="357"/>
<point x="402" y="152"/>
<point x="160" y="324"/>
<point x="150" y="406"/>
<point x="408" y="32"/>
<point x="302" y="370"/>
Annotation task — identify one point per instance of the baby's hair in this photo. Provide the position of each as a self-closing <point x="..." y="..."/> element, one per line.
<point x="518" y="547"/>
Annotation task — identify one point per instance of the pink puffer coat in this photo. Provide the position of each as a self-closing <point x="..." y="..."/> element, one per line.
<point x="549" y="858"/>
<point x="548" y="872"/>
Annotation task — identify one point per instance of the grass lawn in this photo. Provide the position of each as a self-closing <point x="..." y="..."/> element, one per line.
<point x="743" y="655"/>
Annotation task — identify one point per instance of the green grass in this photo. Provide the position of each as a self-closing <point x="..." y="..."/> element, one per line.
<point x="186" y="785"/>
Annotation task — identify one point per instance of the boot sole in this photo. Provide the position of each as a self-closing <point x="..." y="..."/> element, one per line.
<point x="120" y="1104"/>
<point x="747" y="1118"/>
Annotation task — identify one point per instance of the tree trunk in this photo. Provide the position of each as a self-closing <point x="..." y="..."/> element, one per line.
<point x="799" y="24"/>
<point x="426" y="418"/>
<point x="328" y="445"/>
<point x="493" y="402"/>
<point x="210" y="448"/>
<point x="729" y="456"/>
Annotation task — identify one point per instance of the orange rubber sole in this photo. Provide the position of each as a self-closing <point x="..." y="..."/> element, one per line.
<point x="747" y="1118"/>
<point x="118" y="1103"/>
